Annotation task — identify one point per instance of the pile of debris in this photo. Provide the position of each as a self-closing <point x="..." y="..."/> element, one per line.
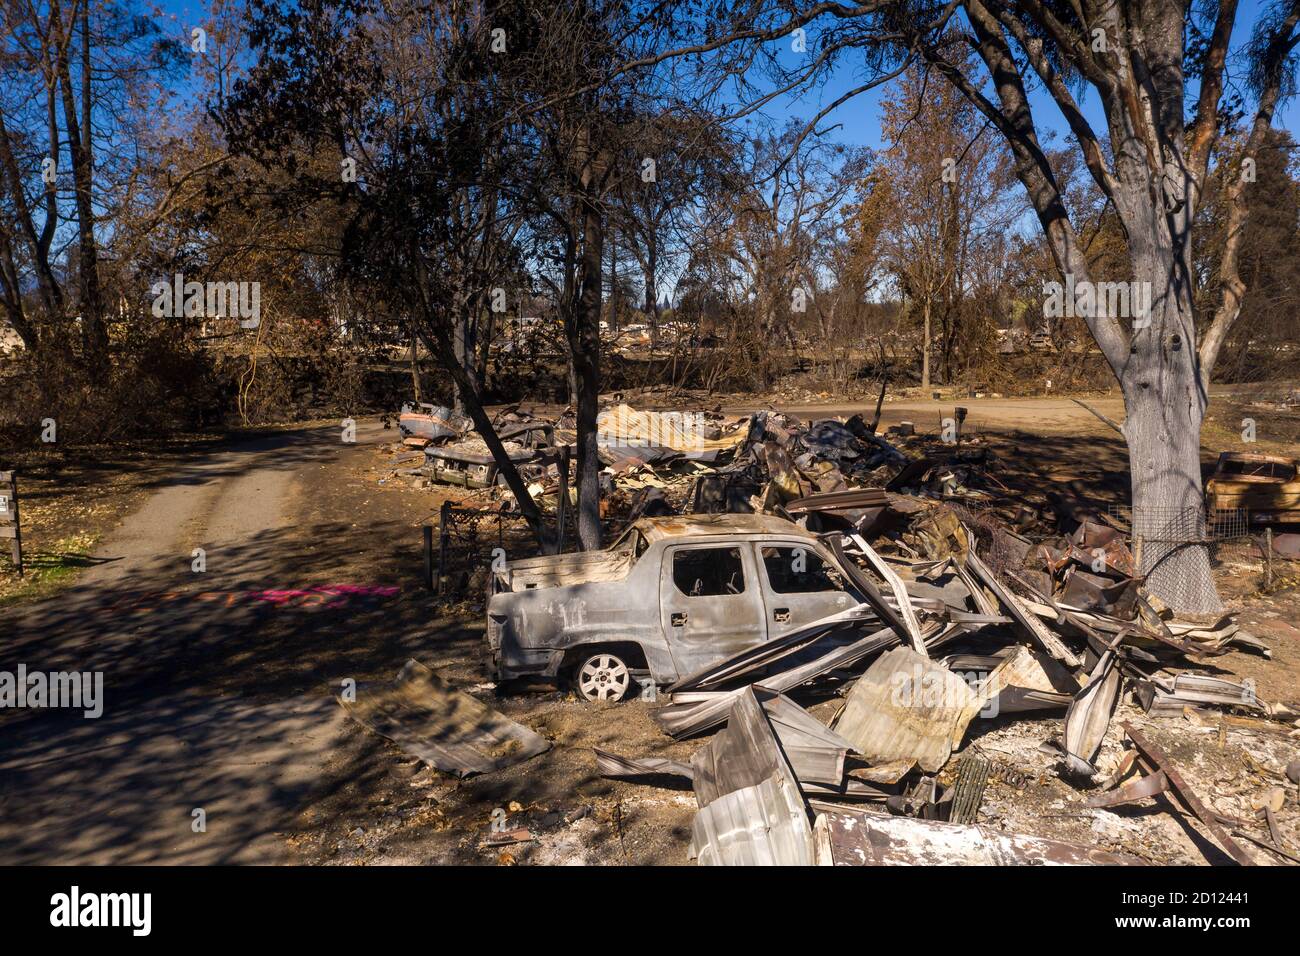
<point x="950" y="637"/>
<point x="698" y="462"/>
<point x="958" y="619"/>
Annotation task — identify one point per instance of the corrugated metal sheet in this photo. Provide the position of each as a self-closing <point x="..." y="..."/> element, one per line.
<point x="652" y="434"/>
<point x="908" y="707"/>
<point x="751" y="809"/>
<point x="815" y="752"/>
<point x="698" y="713"/>
<point x="763" y="825"/>
<point x="1089" y="715"/>
<point x="442" y="726"/>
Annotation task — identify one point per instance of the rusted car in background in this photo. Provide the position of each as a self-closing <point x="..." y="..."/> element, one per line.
<point x="1267" y="487"/>
<point x="669" y="597"/>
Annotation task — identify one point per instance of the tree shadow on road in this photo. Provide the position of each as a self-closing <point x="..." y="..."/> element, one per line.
<point x="218" y="694"/>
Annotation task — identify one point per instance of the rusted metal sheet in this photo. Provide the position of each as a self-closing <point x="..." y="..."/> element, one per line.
<point x="447" y="729"/>
<point x="751" y="809"/>
<point x="1027" y="680"/>
<point x="613" y="765"/>
<point x="1024" y="617"/>
<point x="1131" y="791"/>
<point x="846" y="837"/>
<point x="908" y="707"/>
<point x="1156" y="760"/>
<point x="973" y="772"/>
<point x="1090" y="537"/>
<point x="1092" y="592"/>
<point x="855" y="500"/>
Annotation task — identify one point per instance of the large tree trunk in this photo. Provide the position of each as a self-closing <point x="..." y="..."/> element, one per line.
<point x="1165" y="406"/>
<point x="80" y="146"/>
<point x="585" y="348"/>
<point x="415" y="366"/>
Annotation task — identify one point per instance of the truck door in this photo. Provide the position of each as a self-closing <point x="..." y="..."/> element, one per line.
<point x="798" y="587"/>
<point x="709" y="603"/>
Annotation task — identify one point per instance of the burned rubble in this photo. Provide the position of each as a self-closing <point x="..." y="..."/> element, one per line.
<point x="959" y="611"/>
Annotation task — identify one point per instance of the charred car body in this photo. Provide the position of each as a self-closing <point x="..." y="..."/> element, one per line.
<point x="670" y="596"/>
<point x="1267" y="487"/>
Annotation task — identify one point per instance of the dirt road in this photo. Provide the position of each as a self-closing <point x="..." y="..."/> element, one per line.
<point x="216" y="673"/>
<point x="220" y="739"/>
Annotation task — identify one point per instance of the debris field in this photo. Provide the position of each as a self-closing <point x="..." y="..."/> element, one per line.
<point x="943" y="652"/>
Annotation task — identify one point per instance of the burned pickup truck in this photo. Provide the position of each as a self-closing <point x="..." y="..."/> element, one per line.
<point x="670" y="596"/>
<point x="1266" y="487"/>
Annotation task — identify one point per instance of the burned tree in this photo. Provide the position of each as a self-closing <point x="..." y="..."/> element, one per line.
<point x="1150" y="163"/>
<point x="1151" y="167"/>
<point x="406" y="102"/>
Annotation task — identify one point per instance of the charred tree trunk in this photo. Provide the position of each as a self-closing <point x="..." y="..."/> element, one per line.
<point x="415" y="366"/>
<point x="94" y="334"/>
<point x="584" y="340"/>
<point x="466" y="353"/>
<point x="436" y="331"/>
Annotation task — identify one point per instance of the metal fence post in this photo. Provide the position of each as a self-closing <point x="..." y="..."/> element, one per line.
<point x="1268" y="557"/>
<point x="444" y="538"/>
<point x="427" y="532"/>
<point x="10" y="526"/>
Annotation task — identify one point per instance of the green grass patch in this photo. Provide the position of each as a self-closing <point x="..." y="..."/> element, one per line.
<point x="45" y="571"/>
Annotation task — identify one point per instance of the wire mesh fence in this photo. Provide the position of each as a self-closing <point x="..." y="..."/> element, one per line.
<point x="1216" y="538"/>
<point x="467" y="541"/>
<point x="1158" y="531"/>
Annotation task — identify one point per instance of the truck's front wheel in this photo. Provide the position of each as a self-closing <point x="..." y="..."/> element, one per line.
<point x="603" y="676"/>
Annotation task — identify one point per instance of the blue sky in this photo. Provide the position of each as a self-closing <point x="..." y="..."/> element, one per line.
<point x="859" y="119"/>
<point x="860" y="116"/>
